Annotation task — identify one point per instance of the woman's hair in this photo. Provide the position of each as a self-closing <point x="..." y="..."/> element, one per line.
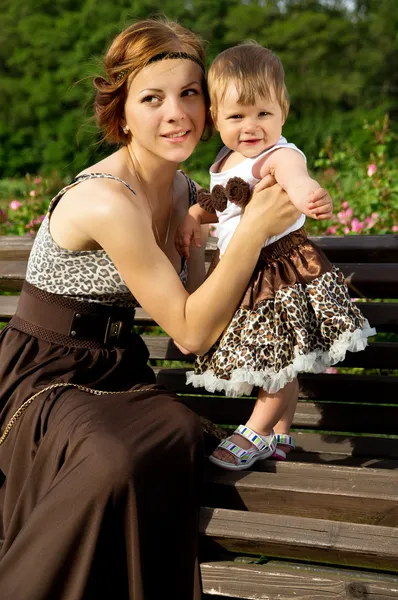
<point x="255" y="70"/>
<point x="131" y="51"/>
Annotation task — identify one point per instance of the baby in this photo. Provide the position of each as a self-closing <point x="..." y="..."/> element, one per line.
<point x="296" y="315"/>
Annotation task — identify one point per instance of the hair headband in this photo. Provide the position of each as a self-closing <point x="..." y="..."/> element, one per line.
<point x="164" y="56"/>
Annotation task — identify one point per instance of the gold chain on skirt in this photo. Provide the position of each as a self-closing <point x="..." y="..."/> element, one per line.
<point x="29" y="401"/>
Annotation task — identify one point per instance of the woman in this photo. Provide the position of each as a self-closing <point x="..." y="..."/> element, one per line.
<point x="102" y="471"/>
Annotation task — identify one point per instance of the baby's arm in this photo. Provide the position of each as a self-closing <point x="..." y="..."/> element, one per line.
<point x="290" y="171"/>
<point x="189" y="230"/>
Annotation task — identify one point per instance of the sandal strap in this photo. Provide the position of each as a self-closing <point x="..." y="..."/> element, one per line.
<point x="285" y="440"/>
<point x="233" y="448"/>
<point x="256" y="439"/>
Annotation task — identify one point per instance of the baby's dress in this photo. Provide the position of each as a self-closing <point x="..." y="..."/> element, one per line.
<point x="295" y="316"/>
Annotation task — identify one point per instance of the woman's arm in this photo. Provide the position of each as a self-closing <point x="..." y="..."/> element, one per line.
<point x="120" y="225"/>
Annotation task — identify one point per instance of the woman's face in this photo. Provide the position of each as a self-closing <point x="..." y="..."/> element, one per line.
<point x="165" y="109"/>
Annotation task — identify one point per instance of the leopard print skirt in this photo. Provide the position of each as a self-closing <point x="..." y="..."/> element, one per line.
<point x="296" y="316"/>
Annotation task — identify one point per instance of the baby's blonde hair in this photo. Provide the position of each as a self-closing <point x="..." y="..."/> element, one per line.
<point x="255" y="70"/>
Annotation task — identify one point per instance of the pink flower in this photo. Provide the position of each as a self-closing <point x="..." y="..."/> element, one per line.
<point x="331" y="370"/>
<point x="346" y="230"/>
<point x="345" y="205"/>
<point x="372" y="220"/>
<point x="32" y="193"/>
<point x="332" y="230"/>
<point x="37" y="180"/>
<point x="371" y="169"/>
<point x="357" y="225"/>
<point x="394" y="228"/>
<point x="15" y="204"/>
<point x="344" y="216"/>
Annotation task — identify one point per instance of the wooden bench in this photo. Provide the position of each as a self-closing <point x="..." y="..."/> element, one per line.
<point x="323" y="525"/>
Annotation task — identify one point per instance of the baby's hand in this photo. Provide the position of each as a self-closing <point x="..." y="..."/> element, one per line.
<point x="187" y="232"/>
<point x="320" y="205"/>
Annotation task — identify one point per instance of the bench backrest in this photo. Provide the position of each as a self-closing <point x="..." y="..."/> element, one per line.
<point x="350" y="417"/>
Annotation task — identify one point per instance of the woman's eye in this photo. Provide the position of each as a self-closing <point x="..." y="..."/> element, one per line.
<point x="151" y="99"/>
<point x="190" y="92"/>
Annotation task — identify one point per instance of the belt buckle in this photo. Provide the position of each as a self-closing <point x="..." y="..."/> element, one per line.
<point x="113" y="331"/>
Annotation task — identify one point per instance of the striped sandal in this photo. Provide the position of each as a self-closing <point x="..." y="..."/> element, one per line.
<point x="282" y="439"/>
<point x="262" y="447"/>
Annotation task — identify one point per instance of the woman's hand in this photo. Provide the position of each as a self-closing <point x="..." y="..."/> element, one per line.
<point x="269" y="211"/>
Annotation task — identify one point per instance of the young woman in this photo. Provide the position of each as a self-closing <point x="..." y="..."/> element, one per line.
<point x="102" y="470"/>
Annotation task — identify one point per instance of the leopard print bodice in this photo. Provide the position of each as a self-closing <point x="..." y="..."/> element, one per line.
<point x="88" y="275"/>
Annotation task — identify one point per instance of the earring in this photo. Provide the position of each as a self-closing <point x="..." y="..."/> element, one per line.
<point x="126" y="129"/>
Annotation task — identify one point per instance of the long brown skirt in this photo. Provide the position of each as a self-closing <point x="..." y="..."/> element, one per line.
<point x="99" y="493"/>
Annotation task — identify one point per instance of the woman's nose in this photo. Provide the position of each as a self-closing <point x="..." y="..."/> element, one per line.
<point x="175" y="110"/>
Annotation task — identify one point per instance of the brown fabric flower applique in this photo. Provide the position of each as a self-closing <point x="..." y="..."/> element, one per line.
<point x="205" y="201"/>
<point x="238" y="191"/>
<point x="219" y="198"/>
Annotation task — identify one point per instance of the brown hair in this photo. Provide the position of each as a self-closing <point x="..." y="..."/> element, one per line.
<point x="255" y="70"/>
<point x="130" y="52"/>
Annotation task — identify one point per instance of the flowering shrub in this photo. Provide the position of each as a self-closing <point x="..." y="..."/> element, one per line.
<point x="365" y="193"/>
<point x="23" y="216"/>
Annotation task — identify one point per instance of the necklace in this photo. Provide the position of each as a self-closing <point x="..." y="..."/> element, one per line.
<point x="160" y="244"/>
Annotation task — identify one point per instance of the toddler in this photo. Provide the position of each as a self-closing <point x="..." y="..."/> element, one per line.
<point x="296" y="314"/>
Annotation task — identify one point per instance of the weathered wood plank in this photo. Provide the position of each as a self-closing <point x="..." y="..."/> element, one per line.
<point x="318" y="491"/>
<point x="12" y="274"/>
<point x="369" y="248"/>
<point x="357" y="418"/>
<point x="287" y="581"/>
<point x="376" y="355"/>
<point x="370" y="280"/>
<point x="338" y="388"/>
<point x="316" y="540"/>
<point x="383" y="316"/>
<point x="14" y="247"/>
<point x="341" y="445"/>
<point x="374" y="248"/>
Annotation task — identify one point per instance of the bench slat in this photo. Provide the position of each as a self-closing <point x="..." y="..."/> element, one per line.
<point x="283" y="581"/>
<point x="318" y="491"/>
<point x="317" y="540"/>
<point x="336" y="388"/>
<point x="382" y="355"/>
<point x="374" y="248"/>
<point x="372" y="280"/>
<point x="383" y="316"/>
<point x="357" y="418"/>
<point x="355" y="248"/>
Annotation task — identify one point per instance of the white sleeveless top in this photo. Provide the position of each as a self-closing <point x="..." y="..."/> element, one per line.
<point x="228" y="220"/>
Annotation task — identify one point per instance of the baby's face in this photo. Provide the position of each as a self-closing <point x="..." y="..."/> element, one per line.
<point x="248" y="129"/>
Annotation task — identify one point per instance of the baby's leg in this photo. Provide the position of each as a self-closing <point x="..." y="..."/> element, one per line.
<point x="268" y="411"/>
<point x="285" y="422"/>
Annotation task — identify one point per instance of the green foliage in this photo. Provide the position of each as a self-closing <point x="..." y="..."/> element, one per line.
<point x="339" y="60"/>
<point x="364" y="190"/>
<point x="27" y="204"/>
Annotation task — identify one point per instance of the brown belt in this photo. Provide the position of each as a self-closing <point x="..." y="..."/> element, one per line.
<point x="72" y="321"/>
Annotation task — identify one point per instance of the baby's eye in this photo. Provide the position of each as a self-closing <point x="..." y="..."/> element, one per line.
<point x="151" y="99"/>
<point x="235" y="117"/>
<point x="263" y="113"/>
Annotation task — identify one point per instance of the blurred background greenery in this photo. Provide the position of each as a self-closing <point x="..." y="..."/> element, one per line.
<point x="340" y="58"/>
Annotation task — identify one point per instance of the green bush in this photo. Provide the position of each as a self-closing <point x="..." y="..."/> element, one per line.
<point x="364" y="190"/>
